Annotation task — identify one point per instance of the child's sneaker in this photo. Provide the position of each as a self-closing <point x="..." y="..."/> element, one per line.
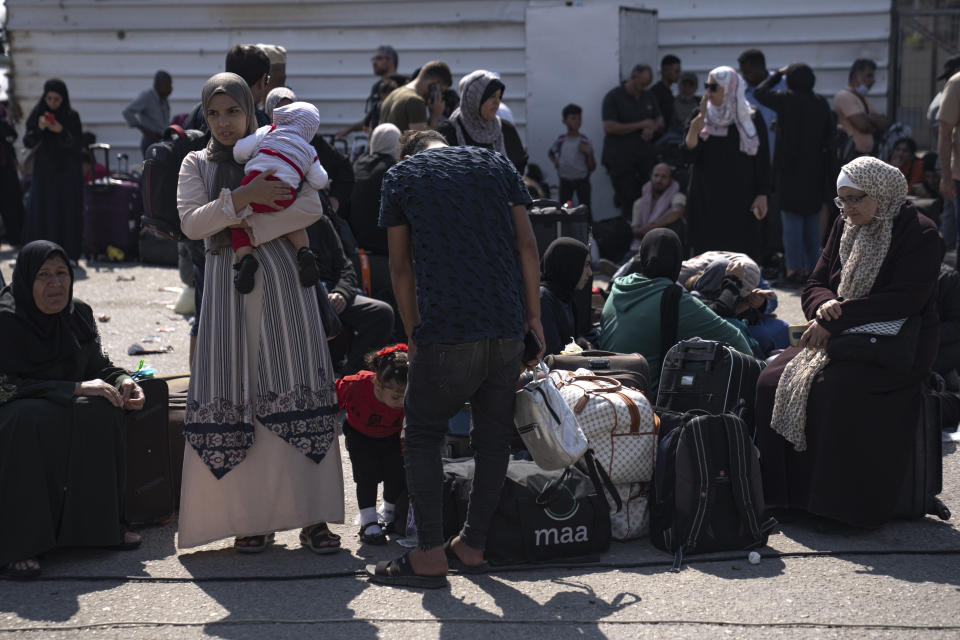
<point x="246" y="270"/>
<point x="307" y="267"/>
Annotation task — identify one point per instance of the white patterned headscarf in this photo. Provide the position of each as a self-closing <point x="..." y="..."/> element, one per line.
<point x="863" y="249"/>
<point x="733" y="110"/>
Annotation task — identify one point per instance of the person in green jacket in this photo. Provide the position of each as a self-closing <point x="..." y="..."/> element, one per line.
<point x="631" y="316"/>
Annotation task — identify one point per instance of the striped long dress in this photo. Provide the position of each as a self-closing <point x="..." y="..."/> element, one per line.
<point x="262" y="364"/>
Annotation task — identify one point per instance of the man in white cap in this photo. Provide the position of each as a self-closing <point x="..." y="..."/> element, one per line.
<point x="278" y="65"/>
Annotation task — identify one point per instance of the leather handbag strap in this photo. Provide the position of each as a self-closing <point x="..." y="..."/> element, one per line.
<point x="614" y="388"/>
<point x="634" y="413"/>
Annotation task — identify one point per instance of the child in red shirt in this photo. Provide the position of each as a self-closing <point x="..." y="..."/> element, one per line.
<point x="374" y="403"/>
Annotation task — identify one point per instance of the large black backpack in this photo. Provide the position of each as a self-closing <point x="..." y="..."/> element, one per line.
<point x="161" y="171"/>
<point x="708" y="492"/>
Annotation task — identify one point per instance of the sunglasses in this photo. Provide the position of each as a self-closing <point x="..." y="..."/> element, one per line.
<point x="711" y="86"/>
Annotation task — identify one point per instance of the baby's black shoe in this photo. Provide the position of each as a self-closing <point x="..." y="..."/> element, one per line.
<point x="307" y="267"/>
<point x="246" y="270"/>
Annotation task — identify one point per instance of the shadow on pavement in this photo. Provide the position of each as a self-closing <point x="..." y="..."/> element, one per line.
<point x="910" y="550"/>
<point x="55" y="596"/>
<point x="577" y="602"/>
<point x="284" y="598"/>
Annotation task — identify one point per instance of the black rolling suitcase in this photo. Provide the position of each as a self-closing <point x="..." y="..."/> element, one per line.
<point x="552" y="220"/>
<point x="177" y="386"/>
<point x="709" y="375"/>
<point x="630" y="369"/>
<point x="112" y="209"/>
<point x="924" y="479"/>
<point x="149" y="490"/>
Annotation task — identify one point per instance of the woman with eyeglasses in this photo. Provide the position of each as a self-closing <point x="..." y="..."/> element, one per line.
<point x="62" y="419"/>
<point x="834" y="421"/>
<point x="726" y="144"/>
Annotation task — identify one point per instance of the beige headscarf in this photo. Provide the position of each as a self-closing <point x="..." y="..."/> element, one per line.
<point x="229" y="172"/>
<point x="385" y="139"/>
<point x="863" y="249"/>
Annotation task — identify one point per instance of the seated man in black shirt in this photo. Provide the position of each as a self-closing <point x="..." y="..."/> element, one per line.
<point x="367" y="323"/>
<point x="466" y="303"/>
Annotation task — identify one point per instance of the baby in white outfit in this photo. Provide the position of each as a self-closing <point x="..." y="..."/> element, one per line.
<point x="285" y="148"/>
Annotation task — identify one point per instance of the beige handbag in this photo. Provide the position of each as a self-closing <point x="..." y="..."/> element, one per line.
<point x="618" y="421"/>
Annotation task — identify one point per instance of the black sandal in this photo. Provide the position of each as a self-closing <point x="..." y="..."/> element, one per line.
<point x="11" y="572"/>
<point x="245" y="276"/>
<point x="307" y="267"/>
<point x="262" y="543"/>
<point x="399" y="573"/>
<point x="372" y="538"/>
<point x="458" y="565"/>
<point x="320" y="539"/>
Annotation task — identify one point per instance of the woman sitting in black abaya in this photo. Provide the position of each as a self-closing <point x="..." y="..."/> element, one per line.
<point x="835" y="425"/>
<point x="62" y="408"/>
<point x="566" y="270"/>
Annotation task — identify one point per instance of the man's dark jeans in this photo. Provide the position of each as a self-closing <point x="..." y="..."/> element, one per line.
<point x="580" y="187"/>
<point x="442" y="378"/>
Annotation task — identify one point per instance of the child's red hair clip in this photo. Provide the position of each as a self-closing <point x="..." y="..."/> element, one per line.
<point x="388" y="350"/>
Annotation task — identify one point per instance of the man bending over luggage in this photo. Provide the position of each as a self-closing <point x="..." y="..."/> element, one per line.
<point x="466" y="304"/>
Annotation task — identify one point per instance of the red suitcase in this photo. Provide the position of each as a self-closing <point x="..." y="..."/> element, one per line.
<point x="112" y="209"/>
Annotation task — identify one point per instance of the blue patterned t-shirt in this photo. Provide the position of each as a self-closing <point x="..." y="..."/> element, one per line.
<point x="457" y="202"/>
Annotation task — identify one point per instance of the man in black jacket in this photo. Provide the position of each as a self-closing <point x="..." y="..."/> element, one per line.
<point x="367" y="323"/>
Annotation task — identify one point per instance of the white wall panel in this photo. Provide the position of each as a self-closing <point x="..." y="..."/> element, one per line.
<point x="108" y="50"/>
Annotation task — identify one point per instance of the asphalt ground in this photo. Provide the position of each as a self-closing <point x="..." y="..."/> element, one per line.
<point x="816" y="579"/>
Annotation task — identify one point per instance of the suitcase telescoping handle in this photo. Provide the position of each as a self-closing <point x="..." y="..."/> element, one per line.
<point x="102" y="146"/>
<point x="698" y="350"/>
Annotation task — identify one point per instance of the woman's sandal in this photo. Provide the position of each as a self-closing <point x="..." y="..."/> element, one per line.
<point x="372" y="538"/>
<point x="25" y="572"/>
<point x="127" y="545"/>
<point x="399" y="573"/>
<point x="260" y="543"/>
<point x="458" y="565"/>
<point x="320" y="539"/>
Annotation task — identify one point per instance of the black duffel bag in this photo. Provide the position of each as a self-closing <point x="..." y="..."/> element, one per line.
<point x="541" y="516"/>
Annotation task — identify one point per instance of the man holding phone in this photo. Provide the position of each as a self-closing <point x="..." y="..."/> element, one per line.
<point x="467" y="303"/>
<point x="418" y="104"/>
